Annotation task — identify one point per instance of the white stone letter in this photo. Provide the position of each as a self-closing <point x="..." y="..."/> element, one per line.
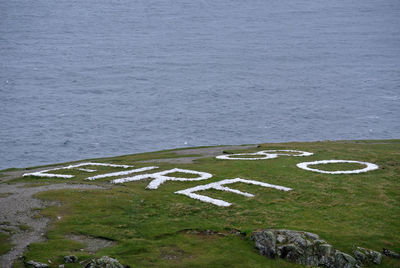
<point x="159" y="177"/>
<point x="44" y="173"/>
<point x="262" y="155"/>
<point x="120" y="173"/>
<point x="369" y="166"/>
<point x="218" y="186"/>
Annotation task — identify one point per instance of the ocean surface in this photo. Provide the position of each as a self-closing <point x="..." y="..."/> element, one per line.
<point x="95" y="78"/>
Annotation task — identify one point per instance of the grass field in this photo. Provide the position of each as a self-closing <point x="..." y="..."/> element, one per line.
<point x="157" y="228"/>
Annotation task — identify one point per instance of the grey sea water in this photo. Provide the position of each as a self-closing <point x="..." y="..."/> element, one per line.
<point x="97" y="78"/>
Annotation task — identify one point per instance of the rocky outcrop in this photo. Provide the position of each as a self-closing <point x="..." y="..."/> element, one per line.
<point x="302" y="248"/>
<point x="104" y="262"/>
<point x="367" y="256"/>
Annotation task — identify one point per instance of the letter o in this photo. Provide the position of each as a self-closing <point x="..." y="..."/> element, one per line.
<point x="369" y="166"/>
<point x="261" y="155"/>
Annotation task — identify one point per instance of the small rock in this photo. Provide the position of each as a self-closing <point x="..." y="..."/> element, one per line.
<point x="265" y="243"/>
<point x="344" y="260"/>
<point x="280" y="238"/>
<point x="311" y="236"/>
<point x="37" y="264"/>
<point x="291" y="252"/>
<point x="61" y="266"/>
<point x="391" y="254"/>
<point x="70" y="259"/>
<point x="104" y="262"/>
<point x="319" y="241"/>
<point x="325" y="250"/>
<point x="367" y="256"/>
<point x="360" y="257"/>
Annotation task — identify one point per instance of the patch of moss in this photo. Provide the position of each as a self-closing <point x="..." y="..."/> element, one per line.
<point x="5" y="243"/>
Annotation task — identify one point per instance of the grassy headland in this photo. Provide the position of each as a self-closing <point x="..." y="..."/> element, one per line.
<point x="158" y="228"/>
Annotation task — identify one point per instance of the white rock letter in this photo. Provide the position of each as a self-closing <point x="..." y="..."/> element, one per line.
<point x="159" y="177"/>
<point x="218" y="186"/>
<point x="44" y="173"/>
<point x="262" y="155"/>
<point x="369" y="166"/>
<point x="120" y="173"/>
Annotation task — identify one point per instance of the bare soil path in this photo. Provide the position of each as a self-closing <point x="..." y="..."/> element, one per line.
<point x="17" y="213"/>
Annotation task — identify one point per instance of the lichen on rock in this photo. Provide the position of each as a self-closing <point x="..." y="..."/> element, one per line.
<point x="367" y="256"/>
<point x="301" y="247"/>
<point x="104" y="262"/>
<point x="70" y="259"/>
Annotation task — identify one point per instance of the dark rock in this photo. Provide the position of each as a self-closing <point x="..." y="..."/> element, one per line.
<point x="391" y="254"/>
<point x="343" y="260"/>
<point x="367" y="256"/>
<point x="300" y="247"/>
<point x="37" y="264"/>
<point x="70" y="259"/>
<point x="360" y="257"/>
<point x="325" y="253"/>
<point x="104" y="262"/>
<point x="291" y="253"/>
<point x="265" y="243"/>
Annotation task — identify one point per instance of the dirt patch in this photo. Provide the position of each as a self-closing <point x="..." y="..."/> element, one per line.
<point x="92" y="244"/>
<point x="17" y="208"/>
<point x="203" y="152"/>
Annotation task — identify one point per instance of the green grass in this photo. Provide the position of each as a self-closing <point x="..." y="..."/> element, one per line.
<point x="337" y="166"/>
<point x="5" y="244"/>
<point x="24" y="227"/>
<point x="148" y="225"/>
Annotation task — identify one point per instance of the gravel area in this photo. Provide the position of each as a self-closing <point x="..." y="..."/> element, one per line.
<point x="17" y="206"/>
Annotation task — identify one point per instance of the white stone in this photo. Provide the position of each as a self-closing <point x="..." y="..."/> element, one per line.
<point x="259" y="156"/>
<point x="120" y="173"/>
<point x="369" y="166"/>
<point x="44" y="173"/>
<point x="262" y="155"/>
<point x="300" y="153"/>
<point x="159" y="177"/>
<point x="219" y="186"/>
